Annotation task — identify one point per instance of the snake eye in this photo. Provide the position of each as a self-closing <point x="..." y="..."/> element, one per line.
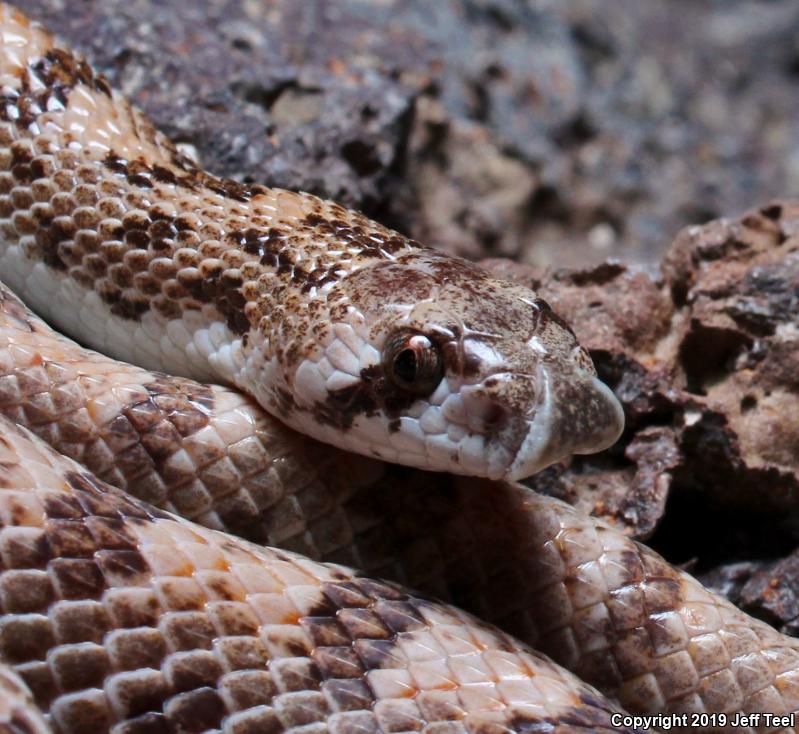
<point x="413" y="363"/>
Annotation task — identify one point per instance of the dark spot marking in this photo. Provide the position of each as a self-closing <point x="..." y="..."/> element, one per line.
<point x="115" y="163"/>
<point x="371" y="395"/>
<point x="69" y="538"/>
<point x="349" y="694"/>
<point x="50" y="233"/>
<point x="297" y="649"/>
<point x="24" y="638"/>
<point x="748" y="402"/>
<point x="772" y="211"/>
<point x="77" y="578"/>
<point x="56" y="73"/>
<point x="195" y="671"/>
<point x="599" y="274"/>
<point x="95" y="497"/>
<point x="149" y="723"/>
<point x="123" y="564"/>
<point x="59" y="506"/>
<point x="128" y="308"/>
<point x="163" y="175"/>
<point x="111" y="533"/>
<point x="21" y="723"/>
<point x="137" y="238"/>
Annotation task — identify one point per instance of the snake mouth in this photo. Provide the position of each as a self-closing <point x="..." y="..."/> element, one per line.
<point x="573" y="417"/>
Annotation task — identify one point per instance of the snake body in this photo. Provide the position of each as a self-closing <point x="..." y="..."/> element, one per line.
<point x="343" y="329"/>
<point x="117" y="616"/>
<point x="600" y="604"/>
<point x="115" y="612"/>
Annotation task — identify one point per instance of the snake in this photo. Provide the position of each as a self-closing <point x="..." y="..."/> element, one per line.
<point x="347" y="350"/>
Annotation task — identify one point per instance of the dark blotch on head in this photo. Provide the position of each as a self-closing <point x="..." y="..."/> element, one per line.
<point x="371" y="395"/>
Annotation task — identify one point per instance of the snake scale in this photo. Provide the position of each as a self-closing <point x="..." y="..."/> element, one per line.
<point x="117" y="615"/>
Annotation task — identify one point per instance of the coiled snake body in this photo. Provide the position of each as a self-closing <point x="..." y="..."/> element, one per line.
<point x="117" y="616"/>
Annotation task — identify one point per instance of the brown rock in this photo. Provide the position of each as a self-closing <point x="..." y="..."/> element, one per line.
<point x="705" y="356"/>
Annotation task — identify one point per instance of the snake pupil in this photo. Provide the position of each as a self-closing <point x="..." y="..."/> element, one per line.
<point x="413" y="362"/>
<point x="405" y="366"/>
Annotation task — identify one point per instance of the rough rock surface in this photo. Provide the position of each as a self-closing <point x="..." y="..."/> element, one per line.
<point x="704" y="354"/>
<point x="557" y="131"/>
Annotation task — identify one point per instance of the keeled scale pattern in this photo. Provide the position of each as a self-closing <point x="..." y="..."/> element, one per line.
<point x="118" y="618"/>
<point x="204" y="452"/>
<point x="605" y="607"/>
<point x="18" y="713"/>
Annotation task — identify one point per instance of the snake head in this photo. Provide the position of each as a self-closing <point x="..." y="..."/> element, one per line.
<point x="429" y="361"/>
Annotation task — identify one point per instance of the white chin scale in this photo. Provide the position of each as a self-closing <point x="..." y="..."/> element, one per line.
<point x="535" y="452"/>
<point x="448" y="431"/>
<point x="548" y="440"/>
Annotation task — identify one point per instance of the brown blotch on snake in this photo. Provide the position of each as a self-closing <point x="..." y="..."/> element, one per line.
<point x="60" y="71"/>
<point x="372" y="393"/>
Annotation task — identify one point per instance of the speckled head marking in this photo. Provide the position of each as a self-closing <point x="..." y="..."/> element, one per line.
<point x="427" y="360"/>
<point x="345" y="330"/>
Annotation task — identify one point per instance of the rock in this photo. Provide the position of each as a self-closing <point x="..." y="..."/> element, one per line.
<point x="703" y="354"/>
<point x="738" y="348"/>
<point x="560" y="133"/>
<point x="729" y="579"/>
<point x="294" y="94"/>
<point x="772" y="593"/>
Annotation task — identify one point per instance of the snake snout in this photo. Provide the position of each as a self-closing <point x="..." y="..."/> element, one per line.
<point x="577" y="414"/>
